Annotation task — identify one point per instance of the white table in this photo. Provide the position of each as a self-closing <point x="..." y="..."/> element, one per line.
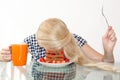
<point x="96" y="74"/>
<point x="10" y="72"/>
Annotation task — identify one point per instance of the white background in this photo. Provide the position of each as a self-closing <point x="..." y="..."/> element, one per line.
<point x="20" y="18"/>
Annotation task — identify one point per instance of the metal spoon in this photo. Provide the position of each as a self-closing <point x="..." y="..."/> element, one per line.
<point x="104" y="17"/>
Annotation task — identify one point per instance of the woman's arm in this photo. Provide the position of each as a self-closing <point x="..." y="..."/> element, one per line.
<point x="91" y="53"/>
<point x="96" y="56"/>
<point x="109" y="41"/>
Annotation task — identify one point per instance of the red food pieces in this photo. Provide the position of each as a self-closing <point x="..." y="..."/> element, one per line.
<point x="54" y="61"/>
<point x="57" y="57"/>
<point x="42" y="60"/>
<point x="67" y="60"/>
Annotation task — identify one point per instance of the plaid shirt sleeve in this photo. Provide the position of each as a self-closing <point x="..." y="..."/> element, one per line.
<point x="80" y="41"/>
<point x="34" y="48"/>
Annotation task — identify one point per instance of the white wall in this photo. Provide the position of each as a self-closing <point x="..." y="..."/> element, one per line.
<point x="20" y="18"/>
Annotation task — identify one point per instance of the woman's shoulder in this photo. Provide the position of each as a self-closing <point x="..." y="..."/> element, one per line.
<point x="30" y="38"/>
<point x="76" y="36"/>
<point x="80" y="40"/>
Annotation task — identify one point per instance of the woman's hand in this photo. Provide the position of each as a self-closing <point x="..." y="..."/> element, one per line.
<point x="109" y="41"/>
<point x="5" y="55"/>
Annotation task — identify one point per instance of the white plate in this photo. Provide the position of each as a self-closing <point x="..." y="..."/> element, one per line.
<point x="55" y="64"/>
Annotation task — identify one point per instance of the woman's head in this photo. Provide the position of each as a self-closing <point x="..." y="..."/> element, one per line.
<point x="53" y="34"/>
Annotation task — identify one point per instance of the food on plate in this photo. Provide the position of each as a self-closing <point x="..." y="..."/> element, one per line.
<point x="57" y="57"/>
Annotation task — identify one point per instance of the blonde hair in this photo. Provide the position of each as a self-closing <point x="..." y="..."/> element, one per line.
<point x="54" y="34"/>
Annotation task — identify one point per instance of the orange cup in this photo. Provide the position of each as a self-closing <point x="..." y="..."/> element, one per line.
<point x="19" y="54"/>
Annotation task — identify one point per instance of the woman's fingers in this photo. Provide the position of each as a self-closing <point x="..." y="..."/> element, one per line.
<point x="5" y="49"/>
<point x="5" y="52"/>
<point x="5" y="55"/>
<point x="113" y="37"/>
<point x="110" y="34"/>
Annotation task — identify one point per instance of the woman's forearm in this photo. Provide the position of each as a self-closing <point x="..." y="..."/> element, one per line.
<point x="92" y="54"/>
